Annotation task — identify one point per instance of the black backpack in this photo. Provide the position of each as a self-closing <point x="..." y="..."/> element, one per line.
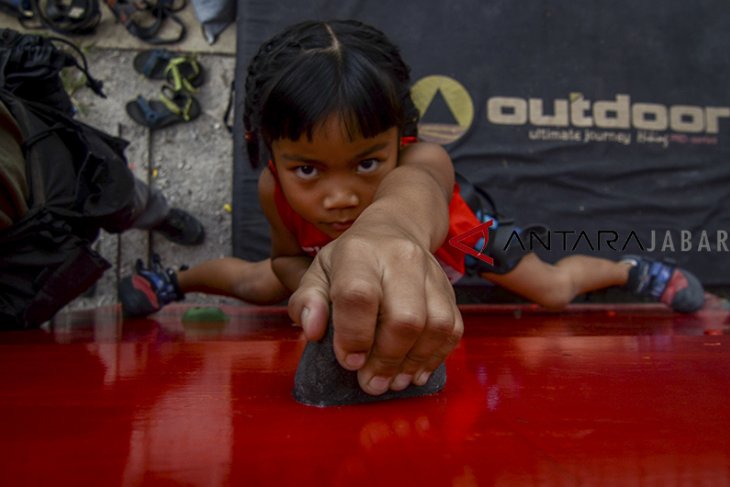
<point x="78" y="180"/>
<point x="67" y="17"/>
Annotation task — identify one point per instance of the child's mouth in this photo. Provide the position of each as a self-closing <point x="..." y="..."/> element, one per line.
<point x="341" y="226"/>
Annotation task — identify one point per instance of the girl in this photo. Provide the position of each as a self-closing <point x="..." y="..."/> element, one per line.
<point x="361" y="215"/>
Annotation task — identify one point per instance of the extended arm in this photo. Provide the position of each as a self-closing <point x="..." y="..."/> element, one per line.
<point x="394" y="310"/>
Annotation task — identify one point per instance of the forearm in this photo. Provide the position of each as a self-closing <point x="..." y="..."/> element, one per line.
<point x="413" y="201"/>
<point x="290" y="269"/>
<point x="253" y="282"/>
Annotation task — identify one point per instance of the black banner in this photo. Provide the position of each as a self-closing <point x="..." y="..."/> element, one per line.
<point x="609" y="122"/>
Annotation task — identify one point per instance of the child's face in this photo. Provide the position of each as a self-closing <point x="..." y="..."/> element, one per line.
<point x="331" y="179"/>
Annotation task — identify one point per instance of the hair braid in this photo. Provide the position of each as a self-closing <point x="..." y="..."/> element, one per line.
<point x="260" y="71"/>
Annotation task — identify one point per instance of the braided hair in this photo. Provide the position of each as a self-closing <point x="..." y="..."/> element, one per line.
<point x="313" y="70"/>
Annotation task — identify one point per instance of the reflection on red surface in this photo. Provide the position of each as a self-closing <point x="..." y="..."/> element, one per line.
<point x="616" y="396"/>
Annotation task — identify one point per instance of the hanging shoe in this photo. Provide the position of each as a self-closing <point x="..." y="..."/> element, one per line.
<point x="664" y="282"/>
<point x="148" y="289"/>
<point x="181" y="228"/>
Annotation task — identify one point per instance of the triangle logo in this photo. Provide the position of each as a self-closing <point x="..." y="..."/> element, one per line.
<point x="481" y="231"/>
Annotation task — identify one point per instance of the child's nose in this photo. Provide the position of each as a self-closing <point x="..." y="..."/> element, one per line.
<point x="339" y="197"/>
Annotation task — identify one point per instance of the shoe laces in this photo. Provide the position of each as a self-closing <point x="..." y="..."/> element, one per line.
<point x="160" y="278"/>
<point x="653" y="277"/>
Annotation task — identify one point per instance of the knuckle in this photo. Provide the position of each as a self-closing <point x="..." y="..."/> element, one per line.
<point x="408" y="324"/>
<point x="356" y="293"/>
<point x="443" y="327"/>
<point x="459" y="330"/>
<point x="352" y="245"/>
<point x="454" y="339"/>
<point x="409" y="251"/>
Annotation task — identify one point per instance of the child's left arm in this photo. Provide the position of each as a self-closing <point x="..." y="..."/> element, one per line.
<point x="394" y="310"/>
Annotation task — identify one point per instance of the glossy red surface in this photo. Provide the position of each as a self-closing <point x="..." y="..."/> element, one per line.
<point x="592" y="396"/>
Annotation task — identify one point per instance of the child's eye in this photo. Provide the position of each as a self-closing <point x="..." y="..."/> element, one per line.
<point x="367" y="166"/>
<point x="306" y="172"/>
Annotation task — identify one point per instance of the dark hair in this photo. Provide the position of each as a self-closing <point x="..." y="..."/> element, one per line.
<point x="316" y="69"/>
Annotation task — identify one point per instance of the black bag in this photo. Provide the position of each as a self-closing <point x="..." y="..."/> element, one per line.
<point x="68" y="17"/>
<point x="78" y="180"/>
<point x="30" y="67"/>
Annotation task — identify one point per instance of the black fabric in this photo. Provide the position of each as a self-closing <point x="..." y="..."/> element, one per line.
<point x="30" y="65"/>
<point x="607" y="122"/>
<point x="44" y="265"/>
<point x="79" y="183"/>
<point x="29" y="69"/>
<point x="76" y="171"/>
<point x="78" y="180"/>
